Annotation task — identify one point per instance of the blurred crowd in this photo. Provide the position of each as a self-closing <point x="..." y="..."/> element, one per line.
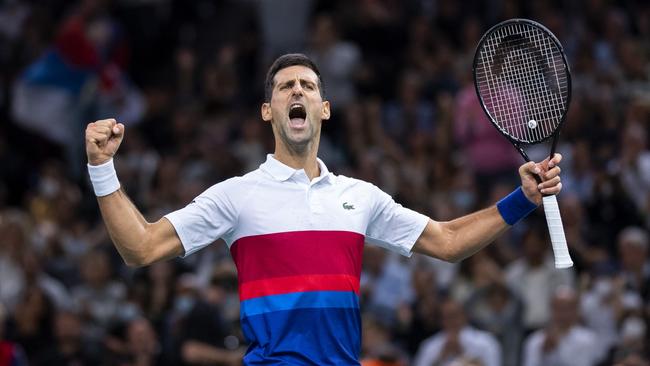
<point x="186" y="78"/>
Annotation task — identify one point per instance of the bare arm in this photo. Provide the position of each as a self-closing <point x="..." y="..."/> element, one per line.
<point x="138" y="241"/>
<point x="460" y="238"/>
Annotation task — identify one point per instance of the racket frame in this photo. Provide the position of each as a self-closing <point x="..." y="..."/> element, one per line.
<point x="552" y="213"/>
<point x="515" y="142"/>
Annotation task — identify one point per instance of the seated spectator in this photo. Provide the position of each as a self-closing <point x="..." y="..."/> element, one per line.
<point x="605" y="305"/>
<point x="563" y="341"/>
<point x="69" y="347"/>
<point x="633" y="346"/>
<point x="494" y="308"/>
<point x="201" y="334"/>
<point x="458" y="342"/>
<point x="99" y="298"/>
<point x="138" y="347"/>
<point x="633" y="251"/>
<point x="420" y="318"/>
<point x="534" y="277"/>
<point x="31" y="325"/>
<point x="377" y="347"/>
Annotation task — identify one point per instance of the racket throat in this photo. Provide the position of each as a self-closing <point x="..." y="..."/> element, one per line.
<point x="522" y="152"/>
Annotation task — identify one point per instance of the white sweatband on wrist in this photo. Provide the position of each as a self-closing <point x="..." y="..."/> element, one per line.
<point x="104" y="178"/>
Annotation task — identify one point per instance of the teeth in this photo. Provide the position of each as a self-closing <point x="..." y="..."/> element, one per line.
<point x="297" y="110"/>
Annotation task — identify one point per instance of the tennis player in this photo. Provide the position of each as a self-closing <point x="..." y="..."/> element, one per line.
<point x="295" y="230"/>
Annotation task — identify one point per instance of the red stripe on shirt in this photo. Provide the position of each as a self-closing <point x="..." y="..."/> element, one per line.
<point x="285" y="285"/>
<point x="297" y="253"/>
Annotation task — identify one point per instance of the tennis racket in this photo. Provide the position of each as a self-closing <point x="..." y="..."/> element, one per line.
<point x="523" y="82"/>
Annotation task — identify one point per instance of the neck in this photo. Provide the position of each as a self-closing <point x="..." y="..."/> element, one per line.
<point x="299" y="160"/>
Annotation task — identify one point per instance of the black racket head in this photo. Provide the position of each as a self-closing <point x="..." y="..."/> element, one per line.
<point x="522" y="80"/>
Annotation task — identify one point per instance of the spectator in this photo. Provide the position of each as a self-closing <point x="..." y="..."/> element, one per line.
<point x="377" y="348"/>
<point x="31" y="325"/>
<point x="634" y="164"/>
<point x="458" y="342"/>
<point x="98" y="298"/>
<point x="139" y="347"/>
<point x="198" y="65"/>
<point x="534" y="278"/>
<point x="338" y="61"/>
<point x="496" y="309"/>
<point x="14" y="237"/>
<point x="421" y="318"/>
<point x="69" y="347"/>
<point x="202" y="334"/>
<point x="633" y="249"/>
<point x="633" y="347"/>
<point x="385" y="274"/>
<point x="563" y="341"/>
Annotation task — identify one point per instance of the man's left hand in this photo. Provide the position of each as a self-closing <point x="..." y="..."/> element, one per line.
<point x="549" y="171"/>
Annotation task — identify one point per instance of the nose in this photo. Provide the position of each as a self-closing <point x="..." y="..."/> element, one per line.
<point x="297" y="88"/>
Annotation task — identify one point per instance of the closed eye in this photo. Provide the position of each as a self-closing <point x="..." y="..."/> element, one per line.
<point x="308" y="85"/>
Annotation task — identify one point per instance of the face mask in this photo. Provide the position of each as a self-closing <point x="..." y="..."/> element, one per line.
<point x="129" y="312"/>
<point x="183" y="304"/>
<point x="603" y="287"/>
<point x="48" y="187"/>
<point x="463" y="199"/>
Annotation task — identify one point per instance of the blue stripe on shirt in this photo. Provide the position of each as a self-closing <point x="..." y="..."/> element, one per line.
<point x="299" y="300"/>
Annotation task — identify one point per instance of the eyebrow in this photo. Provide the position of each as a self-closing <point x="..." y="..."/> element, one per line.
<point x="292" y="81"/>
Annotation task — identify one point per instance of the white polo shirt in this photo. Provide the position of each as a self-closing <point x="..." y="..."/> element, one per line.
<point x="297" y="245"/>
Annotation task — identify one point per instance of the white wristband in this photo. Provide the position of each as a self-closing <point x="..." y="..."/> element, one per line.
<point x="103" y="178"/>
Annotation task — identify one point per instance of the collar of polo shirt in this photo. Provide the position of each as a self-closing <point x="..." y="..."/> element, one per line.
<point x="281" y="172"/>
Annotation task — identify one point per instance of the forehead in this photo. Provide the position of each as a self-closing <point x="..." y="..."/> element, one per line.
<point x="296" y="71"/>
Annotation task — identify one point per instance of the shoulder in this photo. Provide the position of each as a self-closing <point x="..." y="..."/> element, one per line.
<point x="343" y="180"/>
<point x="583" y="334"/>
<point x="432" y="343"/>
<point x="480" y="337"/>
<point x="346" y="182"/>
<point x="535" y="339"/>
<point x="233" y="187"/>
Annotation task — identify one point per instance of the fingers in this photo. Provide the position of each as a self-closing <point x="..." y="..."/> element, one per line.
<point x="530" y="168"/>
<point x="97" y="138"/>
<point x="549" y="186"/>
<point x="104" y="123"/>
<point x="118" y="130"/>
<point x="100" y="131"/>
<point x="551" y="180"/>
<point x="557" y="158"/>
<point x="552" y="190"/>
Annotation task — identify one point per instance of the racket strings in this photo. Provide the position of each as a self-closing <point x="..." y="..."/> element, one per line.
<point x="523" y="82"/>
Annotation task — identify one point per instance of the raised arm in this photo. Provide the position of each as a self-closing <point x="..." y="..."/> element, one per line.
<point x="138" y="241"/>
<point x="460" y="238"/>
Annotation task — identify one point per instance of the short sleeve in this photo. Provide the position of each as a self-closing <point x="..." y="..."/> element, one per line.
<point x="208" y="217"/>
<point x="393" y="226"/>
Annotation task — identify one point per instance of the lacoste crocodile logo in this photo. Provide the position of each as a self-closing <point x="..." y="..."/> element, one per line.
<point x="347" y="206"/>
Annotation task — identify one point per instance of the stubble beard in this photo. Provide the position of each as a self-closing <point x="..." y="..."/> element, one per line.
<point x="300" y="146"/>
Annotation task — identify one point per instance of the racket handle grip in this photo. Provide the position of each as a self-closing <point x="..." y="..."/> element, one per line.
<point x="556" y="232"/>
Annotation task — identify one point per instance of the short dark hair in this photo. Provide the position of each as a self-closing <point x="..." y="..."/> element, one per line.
<point x="284" y="61"/>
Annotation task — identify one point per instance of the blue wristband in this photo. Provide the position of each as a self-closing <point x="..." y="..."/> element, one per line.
<point x="515" y="206"/>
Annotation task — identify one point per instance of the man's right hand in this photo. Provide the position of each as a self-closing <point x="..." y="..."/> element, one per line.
<point x="103" y="138"/>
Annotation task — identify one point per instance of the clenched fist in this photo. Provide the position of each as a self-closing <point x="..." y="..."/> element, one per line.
<point x="549" y="171"/>
<point x="103" y="138"/>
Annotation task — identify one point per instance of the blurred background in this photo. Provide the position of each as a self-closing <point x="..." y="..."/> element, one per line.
<point x="186" y="78"/>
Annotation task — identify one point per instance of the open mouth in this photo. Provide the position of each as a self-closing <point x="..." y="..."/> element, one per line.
<point x="297" y="115"/>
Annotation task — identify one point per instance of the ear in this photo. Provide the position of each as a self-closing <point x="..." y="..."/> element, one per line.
<point x="266" y="112"/>
<point x="325" y="113"/>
